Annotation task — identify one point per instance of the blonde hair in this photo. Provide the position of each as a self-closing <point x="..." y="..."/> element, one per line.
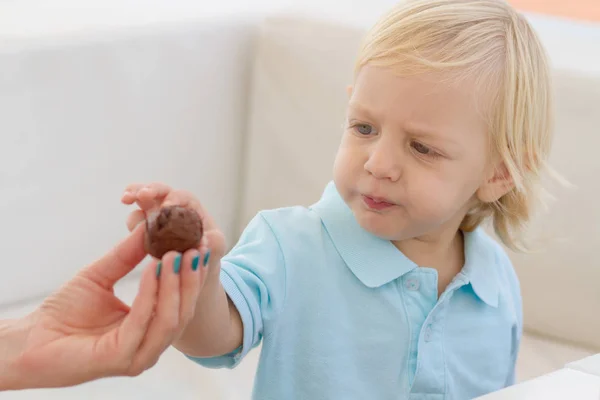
<point x="487" y="41"/>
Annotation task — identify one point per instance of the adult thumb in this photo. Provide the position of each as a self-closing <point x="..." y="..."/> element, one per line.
<point x="118" y="261"/>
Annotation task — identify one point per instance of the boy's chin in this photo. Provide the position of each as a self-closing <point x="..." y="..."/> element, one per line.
<point x="381" y="227"/>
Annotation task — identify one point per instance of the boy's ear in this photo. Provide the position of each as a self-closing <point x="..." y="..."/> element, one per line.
<point x="349" y="89"/>
<point x="496" y="185"/>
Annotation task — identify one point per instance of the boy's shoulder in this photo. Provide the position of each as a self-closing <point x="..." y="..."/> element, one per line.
<point x="508" y="280"/>
<point x="502" y="261"/>
<point x="291" y="220"/>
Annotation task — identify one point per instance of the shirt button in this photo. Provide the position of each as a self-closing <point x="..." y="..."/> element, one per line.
<point x="428" y="333"/>
<point x="412" y="284"/>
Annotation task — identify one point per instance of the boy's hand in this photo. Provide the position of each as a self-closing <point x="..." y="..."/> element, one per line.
<point x="150" y="197"/>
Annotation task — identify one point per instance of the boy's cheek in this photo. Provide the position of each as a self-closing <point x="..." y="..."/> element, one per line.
<point x="438" y="206"/>
<point x="342" y="168"/>
<point x="349" y="160"/>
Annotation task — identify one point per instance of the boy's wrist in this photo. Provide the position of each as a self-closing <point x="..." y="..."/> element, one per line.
<point x="213" y="276"/>
<point x="209" y="332"/>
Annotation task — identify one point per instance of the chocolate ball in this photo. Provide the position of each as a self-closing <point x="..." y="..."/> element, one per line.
<point x="172" y="228"/>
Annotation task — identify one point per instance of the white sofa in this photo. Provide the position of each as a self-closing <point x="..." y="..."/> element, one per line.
<point x="212" y="99"/>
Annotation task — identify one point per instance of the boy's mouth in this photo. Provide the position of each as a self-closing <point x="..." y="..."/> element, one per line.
<point x="376" y="203"/>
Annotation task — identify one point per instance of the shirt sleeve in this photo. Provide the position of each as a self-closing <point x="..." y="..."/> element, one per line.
<point x="253" y="276"/>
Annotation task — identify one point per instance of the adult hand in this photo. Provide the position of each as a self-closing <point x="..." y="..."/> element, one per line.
<point x="84" y="332"/>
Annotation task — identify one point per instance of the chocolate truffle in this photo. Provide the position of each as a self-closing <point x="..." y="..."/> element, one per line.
<point x="172" y="228"/>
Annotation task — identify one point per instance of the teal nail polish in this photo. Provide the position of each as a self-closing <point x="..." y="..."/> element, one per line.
<point x="195" y="262"/>
<point x="158" y="267"/>
<point x="206" y="257"/>
<point x="177" y="263"/>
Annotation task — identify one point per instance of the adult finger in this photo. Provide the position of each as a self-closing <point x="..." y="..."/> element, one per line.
<point x="165" y="325"/>
<point x="135" y="325"/>
<point x="119" y="261"/>
<point x="192" y="277"/>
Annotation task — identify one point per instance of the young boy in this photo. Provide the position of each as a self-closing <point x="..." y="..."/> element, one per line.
<point x="388" y="287"/>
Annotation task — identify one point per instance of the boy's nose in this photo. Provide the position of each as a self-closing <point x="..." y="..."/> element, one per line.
<point x="384" y="162"/>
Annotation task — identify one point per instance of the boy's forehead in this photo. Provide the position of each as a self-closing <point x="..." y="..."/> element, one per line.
<point x="377" y="82"/>
<point x="429" y="102"/>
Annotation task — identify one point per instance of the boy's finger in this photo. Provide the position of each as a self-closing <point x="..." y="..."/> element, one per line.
<point x="160" y="189"/>
<point x="215" y="240"/>
<point x="134" y="218"/>
<point x="134" y="187"/>
<point x="146" y="199"/>
<point x="128" y="198"/>
<point x="152" y="195"/>
<point x="165" y="325"/>
<point x="186" y="198"/>
<point x="154" y="191"/>
<point x="130" y="193"/>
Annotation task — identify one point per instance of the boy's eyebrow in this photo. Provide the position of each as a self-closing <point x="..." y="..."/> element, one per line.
<point x="427" y="132"/>
<point x="424" y="131"/>
<point x="419" y="130"/>
<point x="360" y="108"/>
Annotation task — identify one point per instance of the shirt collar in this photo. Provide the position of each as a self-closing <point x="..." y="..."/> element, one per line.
<point x="376" y="261"/>
<point x="373" y="260"/>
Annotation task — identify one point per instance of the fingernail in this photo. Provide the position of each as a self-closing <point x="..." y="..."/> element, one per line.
<point x="177" y="263"/>
<point x="206" y="257"/>
<point x="158" y="267"/>
<point x="195" y="262"/>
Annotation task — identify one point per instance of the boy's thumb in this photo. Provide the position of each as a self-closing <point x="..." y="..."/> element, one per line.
<point x="215" y="241"/>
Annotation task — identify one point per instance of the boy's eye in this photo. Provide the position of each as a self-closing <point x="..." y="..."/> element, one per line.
<point x="423" y="150"/>
<point x="364" y="129"/>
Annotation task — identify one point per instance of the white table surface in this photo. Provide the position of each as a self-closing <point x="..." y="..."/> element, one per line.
<point x="564" y="384"/>
<point x="590" y="365"/>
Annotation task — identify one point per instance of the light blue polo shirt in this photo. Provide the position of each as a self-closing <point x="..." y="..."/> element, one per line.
<point x="343" y="314"/>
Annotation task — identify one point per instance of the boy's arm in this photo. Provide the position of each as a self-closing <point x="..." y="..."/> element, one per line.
<point x="245" y="290"/>
<point x="216" y="327"/>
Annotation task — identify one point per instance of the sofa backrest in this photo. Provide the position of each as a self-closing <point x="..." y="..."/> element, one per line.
<point x="83" y="114"/>
<point x="298" y="99"/>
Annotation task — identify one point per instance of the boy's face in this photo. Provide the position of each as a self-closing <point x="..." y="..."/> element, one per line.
<point x="414" y="155"/>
